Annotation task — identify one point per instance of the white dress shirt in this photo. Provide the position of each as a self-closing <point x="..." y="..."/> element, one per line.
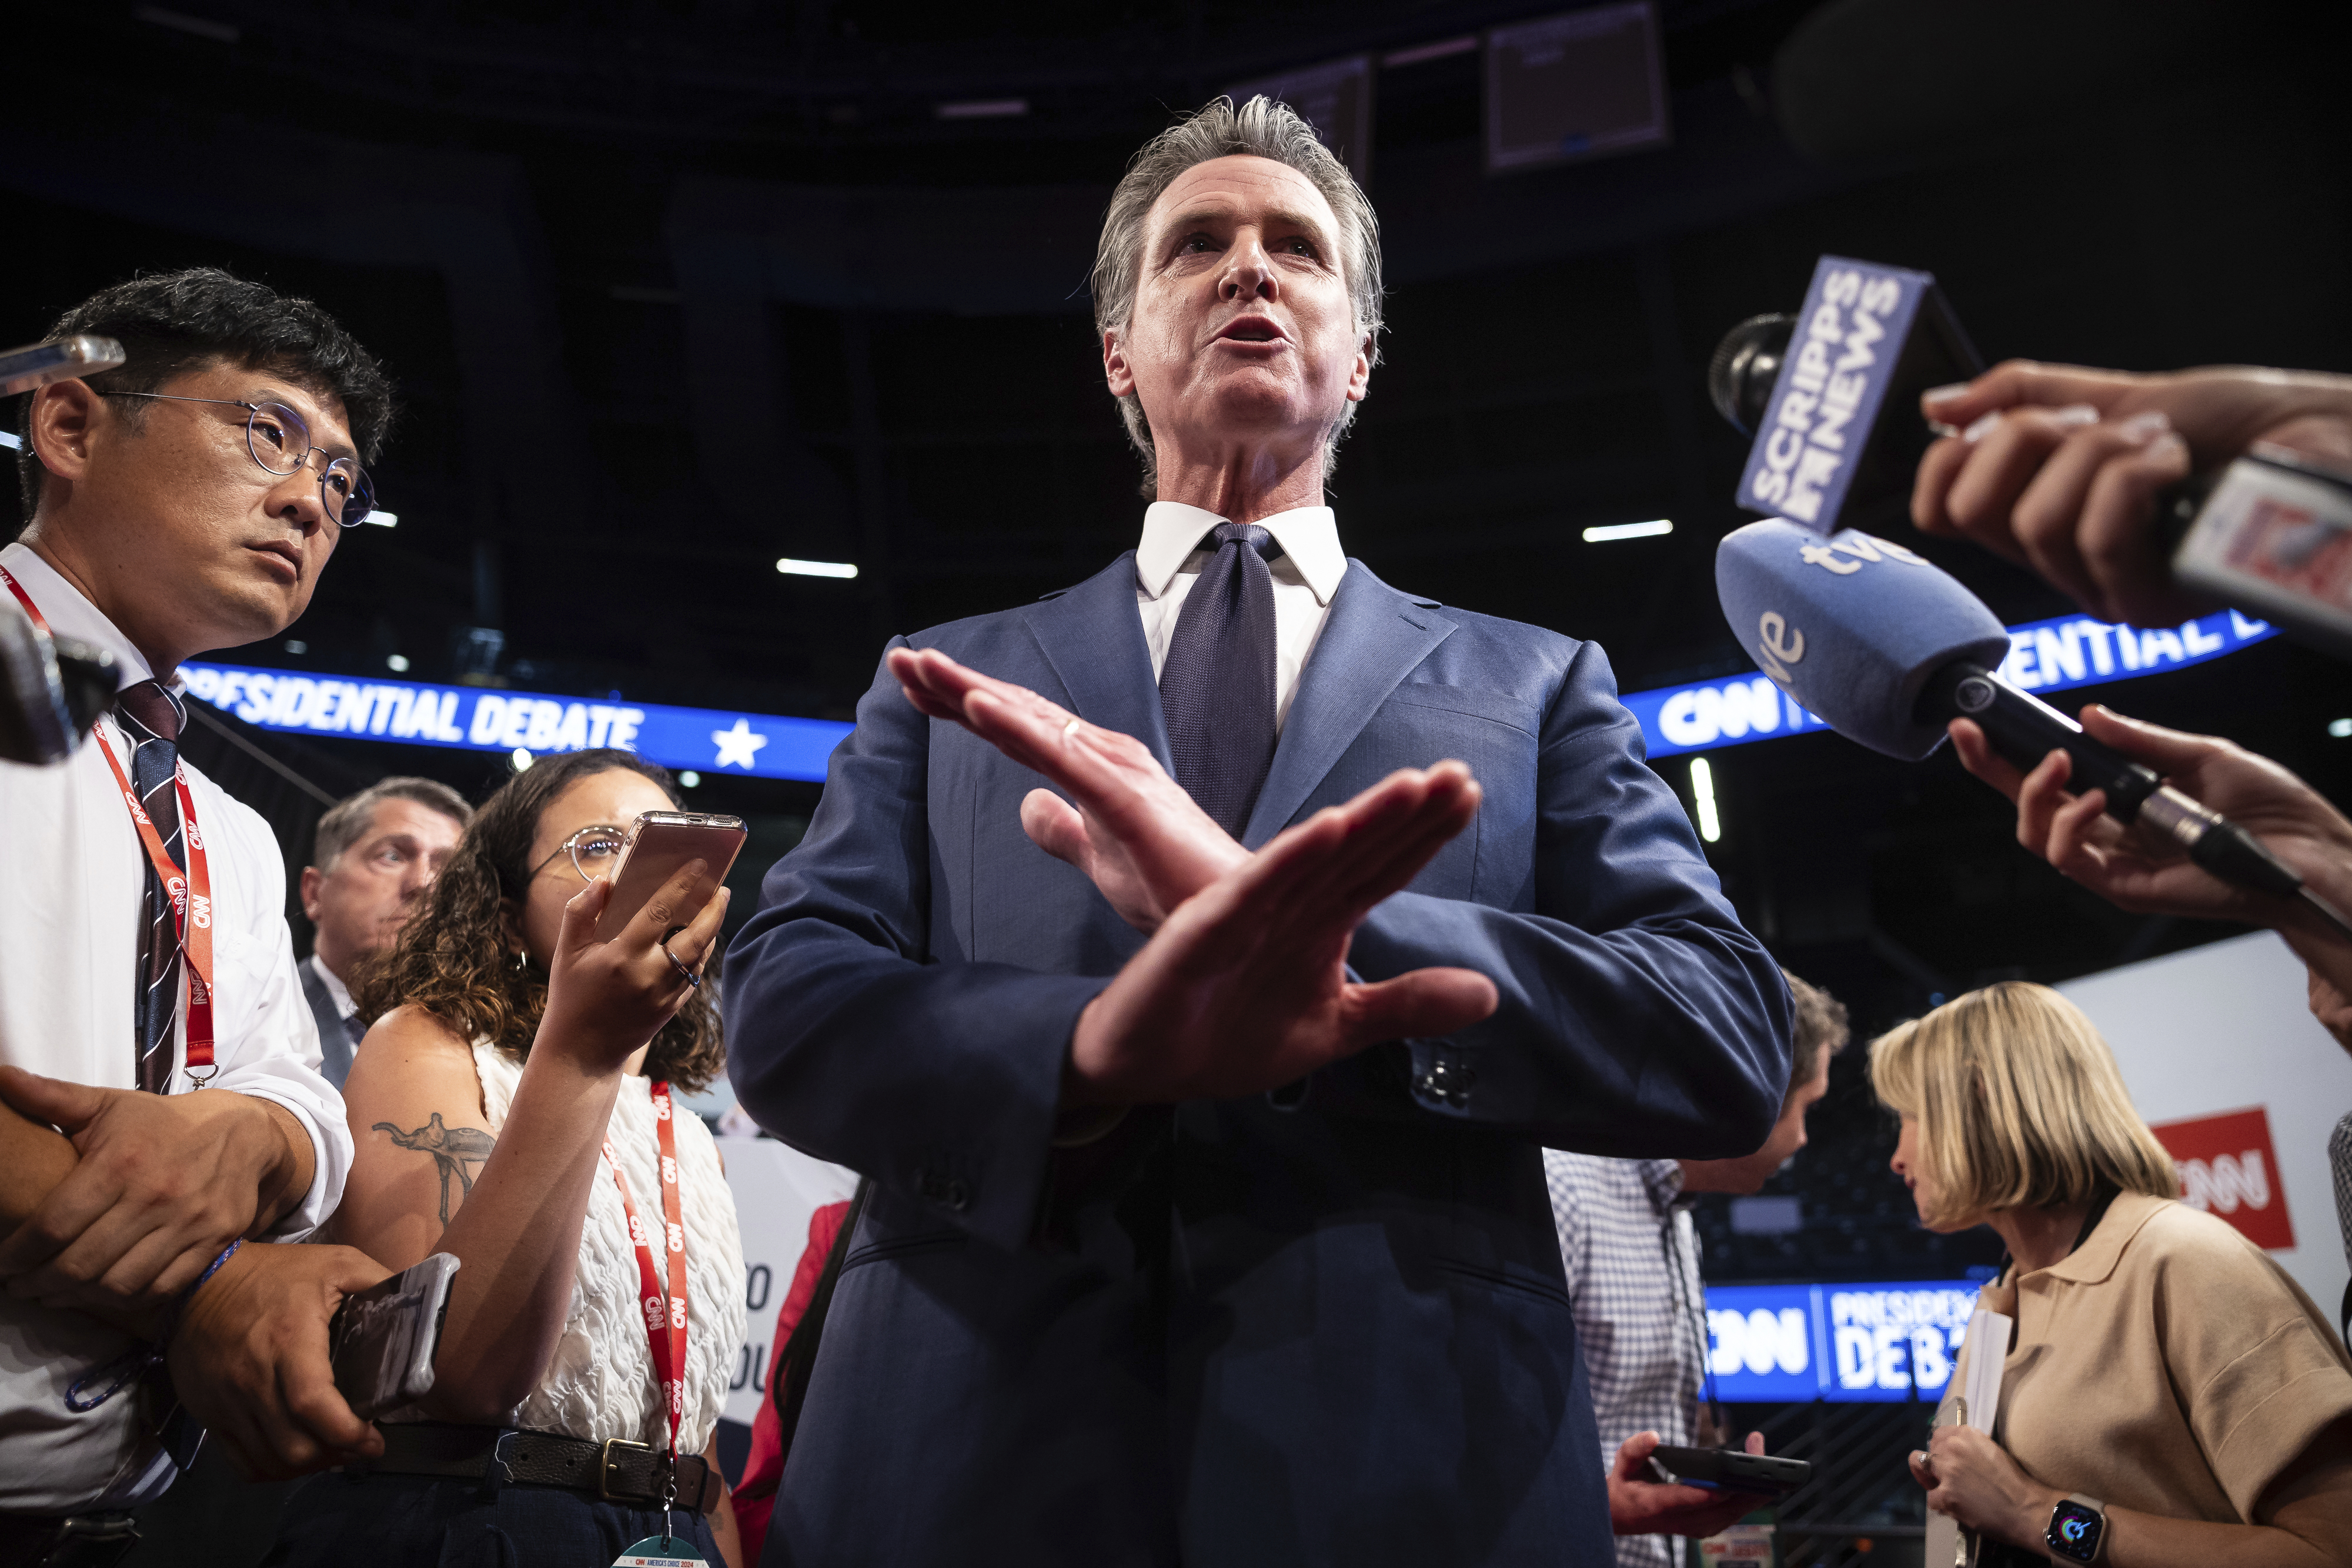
<point x="1305" y="575"/>
<point x="337" y="992"/>
<point x="70" y="915"/>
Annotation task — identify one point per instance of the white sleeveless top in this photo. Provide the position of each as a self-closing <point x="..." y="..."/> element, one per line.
<point x="600" y="1384"/>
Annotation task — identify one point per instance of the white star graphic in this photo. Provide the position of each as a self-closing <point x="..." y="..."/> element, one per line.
<point x="740" y="746"/>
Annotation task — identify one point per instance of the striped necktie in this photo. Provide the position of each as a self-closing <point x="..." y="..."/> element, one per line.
<point x="150" y="717"/>
<point x="1216" y="690"/>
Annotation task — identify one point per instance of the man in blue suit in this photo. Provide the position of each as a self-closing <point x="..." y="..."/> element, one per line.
<point x="1197" y="962"/>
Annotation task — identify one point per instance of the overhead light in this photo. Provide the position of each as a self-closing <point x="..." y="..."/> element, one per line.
<point x="397" y="663"/>
<point x="689" y="779"/>
<point x="1710" y="825"/>
<point x="12" y="441"/>
<point x="382" y="520"/>
<point x="983" y="109"/>
<point x="792" y="568"/>
<point x="295" y="645"/>
<point x="1649" y="530"/>
<point x="521" y="759"/>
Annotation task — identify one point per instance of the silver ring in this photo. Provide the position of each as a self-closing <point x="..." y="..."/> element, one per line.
<point x="690" y="977"/>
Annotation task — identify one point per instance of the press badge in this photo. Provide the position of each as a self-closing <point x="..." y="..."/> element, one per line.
<point x="660" y="1552"/>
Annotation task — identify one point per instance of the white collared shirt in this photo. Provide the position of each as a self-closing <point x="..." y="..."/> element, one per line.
<point x="1305" y="575"/>
<point x="69" y="906"/>
<point x="337" y="992"/>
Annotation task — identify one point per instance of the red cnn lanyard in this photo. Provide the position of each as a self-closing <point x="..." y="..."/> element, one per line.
<point x="192" y="895"/>
<point x="668" y="1348"/>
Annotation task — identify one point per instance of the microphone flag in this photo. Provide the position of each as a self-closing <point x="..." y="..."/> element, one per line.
<point x="1868" y="336"/>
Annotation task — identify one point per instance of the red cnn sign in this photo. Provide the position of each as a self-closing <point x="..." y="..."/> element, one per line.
<point x="2228" y="1169"/>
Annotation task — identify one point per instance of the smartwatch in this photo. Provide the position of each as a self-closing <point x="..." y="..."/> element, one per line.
<point x="2078" y="1526"/>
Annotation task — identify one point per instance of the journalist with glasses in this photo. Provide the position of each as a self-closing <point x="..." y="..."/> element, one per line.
<point x="513" y="1106"/>
<point x="149" y="1004"/>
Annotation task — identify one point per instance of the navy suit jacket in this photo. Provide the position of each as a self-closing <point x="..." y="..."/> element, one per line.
<point x="1328" y="1324"/>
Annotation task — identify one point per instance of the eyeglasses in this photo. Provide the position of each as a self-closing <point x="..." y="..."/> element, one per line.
<point x="594" y="852"/>
<point x="280" y="441"/>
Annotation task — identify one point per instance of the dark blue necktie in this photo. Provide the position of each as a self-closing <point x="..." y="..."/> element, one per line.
<point x="1216" y="689"/>
<point x="150" y="717"/>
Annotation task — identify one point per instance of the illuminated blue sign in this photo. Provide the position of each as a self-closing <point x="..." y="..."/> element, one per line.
<point x="2043" y="655"/>
<point x="717" y="740"/>
<point x="1774" y="1343"/>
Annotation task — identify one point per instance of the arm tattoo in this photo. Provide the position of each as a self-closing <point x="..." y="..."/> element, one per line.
<point x="453" y="1150"/>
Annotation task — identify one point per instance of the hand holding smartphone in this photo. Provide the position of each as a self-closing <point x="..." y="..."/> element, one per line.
<point x="660" y="845"/>
<point x="382" y="1339"/>
<point x="1728" y="1470"/>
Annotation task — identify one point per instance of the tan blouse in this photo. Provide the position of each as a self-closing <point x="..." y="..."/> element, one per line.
<point x="2169" y="1366"/>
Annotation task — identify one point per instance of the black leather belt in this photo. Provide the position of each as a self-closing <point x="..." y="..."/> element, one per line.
<point x="618" y="1472"/>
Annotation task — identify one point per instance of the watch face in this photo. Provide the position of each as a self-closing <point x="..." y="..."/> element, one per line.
<point x="2074" y="1531"/>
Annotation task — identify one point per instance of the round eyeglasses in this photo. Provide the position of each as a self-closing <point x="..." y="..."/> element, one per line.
<point x="595" y="852"/>
<point x="278" y="439"/>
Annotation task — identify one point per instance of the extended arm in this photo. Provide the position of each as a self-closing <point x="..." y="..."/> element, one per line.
<point x="430" y="1177"/>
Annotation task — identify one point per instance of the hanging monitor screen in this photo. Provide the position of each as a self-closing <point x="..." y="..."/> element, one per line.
<point x="1580" y="85"/>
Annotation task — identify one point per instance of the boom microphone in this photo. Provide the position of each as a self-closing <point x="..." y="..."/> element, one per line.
<point x="52" y="689"/>
<point x="1888" y="649"/>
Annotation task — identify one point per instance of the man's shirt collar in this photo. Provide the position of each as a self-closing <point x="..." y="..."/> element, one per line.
<point x="1310" y="536"/>
<point x="337" y="992"/>
<point x="70" y="615"/>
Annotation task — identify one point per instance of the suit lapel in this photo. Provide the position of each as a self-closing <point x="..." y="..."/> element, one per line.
<point x="1093" y="637"/>
<point x="1372" y="637"/>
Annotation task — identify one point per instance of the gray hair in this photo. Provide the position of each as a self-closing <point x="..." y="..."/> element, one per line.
<point x="1262" y="128"/>
<point x="347" y="819"/>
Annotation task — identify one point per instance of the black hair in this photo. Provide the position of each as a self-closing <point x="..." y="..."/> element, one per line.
<point x="170" y="323"/>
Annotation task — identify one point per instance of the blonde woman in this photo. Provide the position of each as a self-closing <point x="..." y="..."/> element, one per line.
<point x="2171" y="1396"/>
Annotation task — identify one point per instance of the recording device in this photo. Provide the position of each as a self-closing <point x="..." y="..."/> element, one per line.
<point x="382" y="1339"/>
<point x="1728" y="1470"/>
<point x="1831" y="394"/>
<point x="659" y="846"/>
<point x="52" y="689"/>
<point x="1887" y="649"/>
<point x="60" y="358"/>
<point x="2271" y="533"/>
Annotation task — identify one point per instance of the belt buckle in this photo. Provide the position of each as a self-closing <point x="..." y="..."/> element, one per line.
<point x="604" y="1464"/>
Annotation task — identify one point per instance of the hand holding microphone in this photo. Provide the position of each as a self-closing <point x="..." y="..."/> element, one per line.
<point x="1889" y="650"/>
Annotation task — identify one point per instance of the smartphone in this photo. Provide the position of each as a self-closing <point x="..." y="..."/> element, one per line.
<point x="1728" y="1470"/>
<point x="660" y="845"/>
<point x="382" y="1339"/>
<point x="61" y="358"/>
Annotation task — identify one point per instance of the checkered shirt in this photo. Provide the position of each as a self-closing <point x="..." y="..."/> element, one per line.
<point x="1632" y="1258"/>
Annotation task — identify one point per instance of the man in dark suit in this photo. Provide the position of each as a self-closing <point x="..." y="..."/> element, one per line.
<point x="1197" y="961"/>
<point x="372" y="859"/>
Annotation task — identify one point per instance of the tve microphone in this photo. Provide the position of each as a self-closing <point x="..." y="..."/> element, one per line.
<point x="1888" y="649"/>
<point x="1839" y="437"/>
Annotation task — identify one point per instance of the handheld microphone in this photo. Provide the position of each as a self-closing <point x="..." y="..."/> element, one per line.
<point x="1888" y="649"/>
<point x="61" y="358"/>
<point x="52" y="689"/>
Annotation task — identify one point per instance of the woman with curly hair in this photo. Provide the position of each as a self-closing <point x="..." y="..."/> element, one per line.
<point x="2170" y="1398"/>
<point x="511" y="1106"/>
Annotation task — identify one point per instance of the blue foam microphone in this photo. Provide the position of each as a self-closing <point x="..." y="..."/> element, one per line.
<point x="1888" y="649"/>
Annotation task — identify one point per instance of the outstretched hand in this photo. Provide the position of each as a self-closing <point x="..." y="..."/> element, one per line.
<point x="2146" y="872"/>
<point x="1126" y="824"/>
<point x="1244" y="986"/>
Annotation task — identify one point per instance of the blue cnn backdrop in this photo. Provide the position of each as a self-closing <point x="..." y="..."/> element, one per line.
<point x="1846" y="1344"/>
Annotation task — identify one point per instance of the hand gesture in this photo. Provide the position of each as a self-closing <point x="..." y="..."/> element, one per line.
<point x="607" y="998"/>
<point x="1971" y="1478"/>
<point x="1640" y="1505"/>
<point x="249" y="1360"/>
<point x="2140" y="871"/>
<point x="161" y="1185"/>
<point x="2057" y="468"/>
<point x="1133" y="830"/>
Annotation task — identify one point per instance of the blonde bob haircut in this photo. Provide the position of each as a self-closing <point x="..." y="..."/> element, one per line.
<point x="2019" y="1106"/>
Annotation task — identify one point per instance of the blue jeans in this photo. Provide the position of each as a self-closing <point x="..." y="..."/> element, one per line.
<point x="424" y="1521"/>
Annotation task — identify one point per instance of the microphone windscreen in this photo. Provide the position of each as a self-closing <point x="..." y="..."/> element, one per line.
<point x="1852" y="626"/>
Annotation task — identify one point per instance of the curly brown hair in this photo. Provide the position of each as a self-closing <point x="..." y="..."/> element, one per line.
<point x="454" y="960"/>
